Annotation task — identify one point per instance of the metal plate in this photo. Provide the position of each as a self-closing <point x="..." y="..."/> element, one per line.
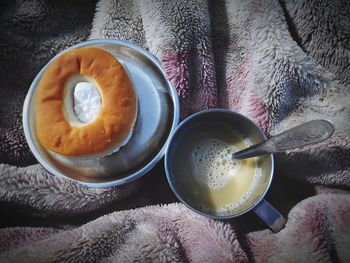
<point x="158" y="116"/>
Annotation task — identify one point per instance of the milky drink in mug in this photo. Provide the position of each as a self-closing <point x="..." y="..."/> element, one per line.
<point x="208" y="178"/>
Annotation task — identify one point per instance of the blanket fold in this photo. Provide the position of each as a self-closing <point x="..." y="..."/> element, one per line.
<point x="280" y="63"/>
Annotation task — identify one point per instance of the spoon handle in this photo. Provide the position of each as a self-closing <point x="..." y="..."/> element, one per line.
<point x="311" y="132"/>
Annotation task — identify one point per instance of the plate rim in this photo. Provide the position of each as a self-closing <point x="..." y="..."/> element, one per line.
<point x="139" y="173"/>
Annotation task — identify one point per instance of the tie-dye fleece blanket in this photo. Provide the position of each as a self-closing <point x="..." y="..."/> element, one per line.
<point x="280" y="63"/>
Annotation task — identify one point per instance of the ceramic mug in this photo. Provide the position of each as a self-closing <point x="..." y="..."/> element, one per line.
<point x="180" y="171"/>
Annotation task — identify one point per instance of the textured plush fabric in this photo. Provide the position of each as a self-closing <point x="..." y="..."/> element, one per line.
<point x="280" y="63"/>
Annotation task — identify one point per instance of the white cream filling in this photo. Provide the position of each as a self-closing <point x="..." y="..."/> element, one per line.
<point x="87" y="102"/>
<point x="82" y="100"/>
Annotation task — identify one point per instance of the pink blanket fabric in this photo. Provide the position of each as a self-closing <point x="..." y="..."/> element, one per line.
<point x="280" y="63"/>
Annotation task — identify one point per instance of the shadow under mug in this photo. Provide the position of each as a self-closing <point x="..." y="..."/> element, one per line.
<point x="178" y="154"/>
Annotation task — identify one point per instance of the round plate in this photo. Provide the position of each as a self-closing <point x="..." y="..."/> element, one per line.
<point x="158" y="116"/>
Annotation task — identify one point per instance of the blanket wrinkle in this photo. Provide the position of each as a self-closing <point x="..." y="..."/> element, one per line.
<point x="332" y="50"/>
<point x="55" y="198"/>
<point x="151" y="242"/>
<point x="279" y="62"/>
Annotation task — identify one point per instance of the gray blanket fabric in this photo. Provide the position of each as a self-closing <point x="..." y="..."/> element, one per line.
<point x="280" y="63"/>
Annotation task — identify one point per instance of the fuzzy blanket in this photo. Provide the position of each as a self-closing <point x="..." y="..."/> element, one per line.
<point x="280" y="63"/>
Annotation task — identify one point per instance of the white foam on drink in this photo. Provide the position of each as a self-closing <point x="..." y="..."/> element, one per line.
<point x="213" y="165"/>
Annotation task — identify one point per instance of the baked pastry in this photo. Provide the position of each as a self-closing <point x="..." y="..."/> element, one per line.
<point x="96" y="78"/>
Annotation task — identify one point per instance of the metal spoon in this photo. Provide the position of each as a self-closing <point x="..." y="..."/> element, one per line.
<point x="311" y="132"/>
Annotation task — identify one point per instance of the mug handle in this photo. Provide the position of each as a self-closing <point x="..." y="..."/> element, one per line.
<point x="271" y="217"/>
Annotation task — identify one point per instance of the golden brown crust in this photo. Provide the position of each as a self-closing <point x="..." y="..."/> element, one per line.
<point x="118" y="110"/>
